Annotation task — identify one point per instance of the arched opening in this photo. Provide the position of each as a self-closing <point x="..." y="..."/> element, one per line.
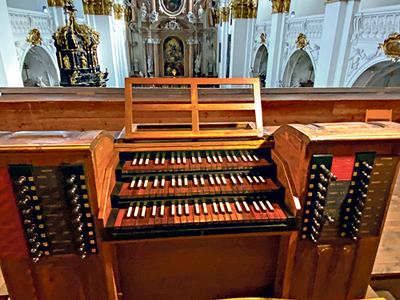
<point x="260" y="64"/>
<point x="299" y="71"/>
<point x="383" y="74"/>
<point x="38" y="69"/>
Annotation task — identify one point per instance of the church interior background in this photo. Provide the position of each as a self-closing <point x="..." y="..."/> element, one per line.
<point x="286" y="43"/>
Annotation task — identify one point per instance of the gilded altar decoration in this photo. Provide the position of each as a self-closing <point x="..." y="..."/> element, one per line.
<point x="118" y="11"/>
<point x="224" y="13"/>
<point x="128" y="15"/>
<point x="301" y="41"/>
<point x="34" y="38"/>
<point x="108" y="5"/>
<point x="280" y="6"/>
<point x="262" y="38"/>
<point x="173" y="57"/>
<point x="243" y="9"/>
<point x="391" y="47"/>
<point x="67" y="63"/>
<point x="76" y="46"/>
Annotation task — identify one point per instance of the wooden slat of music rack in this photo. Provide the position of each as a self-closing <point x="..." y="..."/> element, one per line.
<point x="195" y="108"/>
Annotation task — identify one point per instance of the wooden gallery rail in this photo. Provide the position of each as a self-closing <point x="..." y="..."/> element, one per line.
<point x="103" y="108"/>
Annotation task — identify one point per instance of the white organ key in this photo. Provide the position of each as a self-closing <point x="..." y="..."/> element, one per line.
<point x="220" y="157"/>
<point x="193" y="159"/>
<point x="228" y="207"/>
<point x="143" y="214"/>
<point x="243" y="157"/>
<point x="238" y="207"/>
<point x="233" y="179"/>
<point x="154" y="210"/>
<point x="146" y="182"/>
<point x="217" y="180"/>
<point x="263" y="207"/>
<point x="162" y="210"/>
<point x="136" y="212"/>
<point x="141" y="160"/>
<point x="234" y="157"/>
<point x="162" y="182"/>
<point x="196" y="209"/>
<point x="205" y="208"/>
<point x="211" y="179"/>
<point x="208" y="159"/>
<point x="173" y="210"/>
<point x="139" y="184"/>
<point x="261" y="178"/>
<point x="185" y="181"/>
<point x="172" y="158"/>
<point x="199" y="157"/>
<point x="249" y="157"/>
<point x="221" y="207"/>
<point x="178" y="159"/>
<point x="179" y="181"/>
<point x="195" y="181"/>
<point x="147" y="159"/>
<point x="249" y="179"/>
<point x="132" y="185"/>
<point x="214" y="158"/>
<point x="202" y="181"/>
<point x="256" y="206"/>
<point x="186" y="209"/>
<point x="256" y="158"/>
<point x="155" y="183"/>
<point x="223" y="180"/>
<point x="179" y="209"/>
<point x="163" y="160"/>
<point x="228" y="157"/>
<point x="184" y="158"/>
<point x="134" y="162"/>
<point x="256" y="179"/>
<point x="246" y="206"/>
<point x="240" y="179"/>
<point x="173" y="181"/>
<point x="215" y="208"/>
<point x="129" y="213"/>
<point x="157" y="160"/>
<point x="270" y="207"/>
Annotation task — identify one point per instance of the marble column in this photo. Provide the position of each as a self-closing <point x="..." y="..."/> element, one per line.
<point x="335" y="43"/>
<point x="10" y="73"/>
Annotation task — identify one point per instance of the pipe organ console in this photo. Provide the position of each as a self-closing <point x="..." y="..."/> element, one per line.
<point x="209" y="212"/>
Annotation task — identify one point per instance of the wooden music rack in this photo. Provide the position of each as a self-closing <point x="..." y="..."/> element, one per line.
<point x="195" y="129"/>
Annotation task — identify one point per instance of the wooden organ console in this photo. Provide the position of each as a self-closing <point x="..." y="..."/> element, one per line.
<point x="195" y="211"/>
<point x="343" y="173"/>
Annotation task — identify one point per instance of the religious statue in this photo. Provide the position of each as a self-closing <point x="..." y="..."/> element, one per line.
<point x="143" y="11"/>
<point x="67" y="64"/>
<point x="135" y="66"/>
<point x="197" y="63"/>
<point x="83" y="61"/>
<point x="210" y="66"/>
<point x="149" y="65"/>
<point x="200" y="13"/>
